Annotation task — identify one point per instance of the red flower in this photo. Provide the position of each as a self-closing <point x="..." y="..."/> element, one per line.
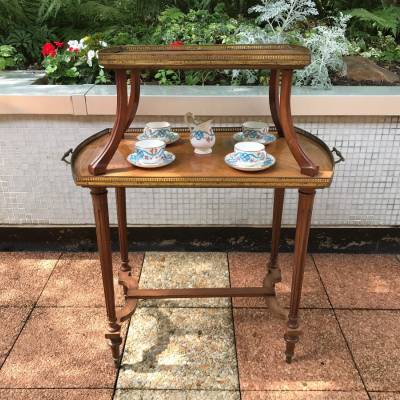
<point x="177" y="43"/>
<point x="71" y="49"/>
<point x="59" y="44"/>
<point x="49" y="50"/>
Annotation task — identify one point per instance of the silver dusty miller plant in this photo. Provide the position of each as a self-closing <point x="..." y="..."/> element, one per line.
<point x="328" y="45"/>
<point x="282" y="15"/>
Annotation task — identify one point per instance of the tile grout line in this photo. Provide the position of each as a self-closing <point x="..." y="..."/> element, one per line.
<point x="233" y="326"/>
<point x="31" y="311"/>
<point x="127" y="330"/>
<point x="341" y="330"/>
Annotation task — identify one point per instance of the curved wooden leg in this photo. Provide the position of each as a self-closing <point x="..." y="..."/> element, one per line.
<point x="274" y="99"/>
<point x="100" y="208"/>
<point x="307" y="167"/>
<point x="274" y="273"/>
<point x="304" y="212"/>
<point x="120" y="194"/>
<point x="126" y="111"/>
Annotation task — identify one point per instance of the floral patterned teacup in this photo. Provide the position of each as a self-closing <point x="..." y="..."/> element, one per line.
<point x="249" y="153"/>
<point x="150" y="151"/>
<point x="157" y="130"/>
<point x="254" y="130"/>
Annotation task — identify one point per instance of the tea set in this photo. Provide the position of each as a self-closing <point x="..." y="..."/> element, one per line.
<point x="249" y="153"/>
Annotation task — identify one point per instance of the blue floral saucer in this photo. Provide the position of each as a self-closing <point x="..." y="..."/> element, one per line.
<point x="232" y="160"/>
<point x="268" y="138"/>
<point x="170" y="137"/>
<point x="168" y="158"/>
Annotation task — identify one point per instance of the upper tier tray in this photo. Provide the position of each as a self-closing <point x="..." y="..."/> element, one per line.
<point x="192" y="170"/>
<point x="269" y="56"/>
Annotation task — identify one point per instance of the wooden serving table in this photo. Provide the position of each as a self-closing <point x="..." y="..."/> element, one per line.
<point x="303" y="162"/>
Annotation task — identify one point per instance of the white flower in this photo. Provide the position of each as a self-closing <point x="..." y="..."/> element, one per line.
<point x="73" y="44"/>
<point x="90" y="55"/>
<point x="103" y="44"/>
<point x="82" y="44"/>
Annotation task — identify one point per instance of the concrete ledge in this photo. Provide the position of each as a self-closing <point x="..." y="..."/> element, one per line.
<point x="207" y="100"/>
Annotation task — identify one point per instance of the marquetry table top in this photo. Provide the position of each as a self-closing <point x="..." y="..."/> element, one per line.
<point x="257" y="56"/>
<point x="191" y="170"/>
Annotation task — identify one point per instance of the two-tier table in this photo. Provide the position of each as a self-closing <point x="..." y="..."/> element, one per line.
<point x="303" y="162"/>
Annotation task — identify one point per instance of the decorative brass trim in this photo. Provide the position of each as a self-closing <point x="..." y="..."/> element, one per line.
<point x="189" y="182"/>
<point x="206" y="56"/>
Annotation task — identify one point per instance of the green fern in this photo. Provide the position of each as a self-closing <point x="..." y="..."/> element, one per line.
<point x="386" y="19"/>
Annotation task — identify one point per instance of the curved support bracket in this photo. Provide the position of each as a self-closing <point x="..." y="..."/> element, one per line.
<point x="126" y="112"/>
<point x="274" y="99"/>
<point x="125" y="279"/>
<point x="307" y="167"/>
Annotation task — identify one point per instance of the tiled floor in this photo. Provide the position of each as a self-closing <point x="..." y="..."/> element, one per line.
<point x="53" y="319"/>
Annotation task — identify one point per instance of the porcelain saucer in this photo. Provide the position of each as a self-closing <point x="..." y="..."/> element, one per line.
<point x="266" y="139"/>
<point x="172" y="137"/>
<point x="168" y="158"/>
<point x="231" y="160"/>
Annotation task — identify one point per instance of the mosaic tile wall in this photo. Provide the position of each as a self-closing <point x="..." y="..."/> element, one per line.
<point x="37" y="188"/>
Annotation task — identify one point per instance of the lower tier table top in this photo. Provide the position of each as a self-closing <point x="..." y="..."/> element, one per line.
<point x="192" y="170"/>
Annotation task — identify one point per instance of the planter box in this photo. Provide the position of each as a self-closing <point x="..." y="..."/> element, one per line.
<point x="39" y="123"/>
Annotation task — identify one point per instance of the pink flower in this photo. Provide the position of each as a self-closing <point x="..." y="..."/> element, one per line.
<point x="49" y="50"/>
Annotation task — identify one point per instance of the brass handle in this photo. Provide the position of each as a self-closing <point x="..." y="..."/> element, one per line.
<point x="339" y="154"/>
<point x="66" y="154"/>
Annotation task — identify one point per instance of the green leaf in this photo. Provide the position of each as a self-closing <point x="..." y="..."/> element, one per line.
<point x="3" y="63"/>
<point x="387" y="18"/>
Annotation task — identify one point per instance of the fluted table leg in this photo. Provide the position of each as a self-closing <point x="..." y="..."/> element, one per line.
<point x="100" y="207"/>
<point x="304" y="212"/>
<point x="273" y="275"/>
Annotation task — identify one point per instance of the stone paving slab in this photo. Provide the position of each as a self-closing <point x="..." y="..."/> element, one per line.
<point x="12" y="321"/>
<point x="373" y="338"/>
<point x="249" y="269"/>
<point x="60" y="348"/>
<point x="180" y="348"/>
<point x="23" y="276"/>
<point x="360" y="280"/>
<point x="322" y="360"/>
<point x="384" y="395"/>
<point x="56" y="394"/>
<point x="175" y="395"/>
<point x="164" y="270"/>
<point x="303" y="395"/>
<point x="76" y="281"/>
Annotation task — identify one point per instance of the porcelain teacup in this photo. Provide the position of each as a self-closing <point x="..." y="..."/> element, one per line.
<point x="150" y="151"/>
<point x="157" y="130"/>
<point x="253" y="130"/>
<point x="249" y="153"/>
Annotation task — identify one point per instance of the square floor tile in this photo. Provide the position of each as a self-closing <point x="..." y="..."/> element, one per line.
<point x="384" y="395"/>
<point x="185" y="270"/>
<point x="322" y="361"/>
<point x="55" y="394"/>
<point x="23" y="276"/>
<point x="61" y="348"/>
<point x="374" y="341"/>
<point x="132" y="394"/>
<point x="304" y="395"/>
<point x="76" y="281"/>
<point x="180" y="348"/>
<point x="360" y="280"/>
<point x="249" y="269"/>
<point x="12" y="320"/>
